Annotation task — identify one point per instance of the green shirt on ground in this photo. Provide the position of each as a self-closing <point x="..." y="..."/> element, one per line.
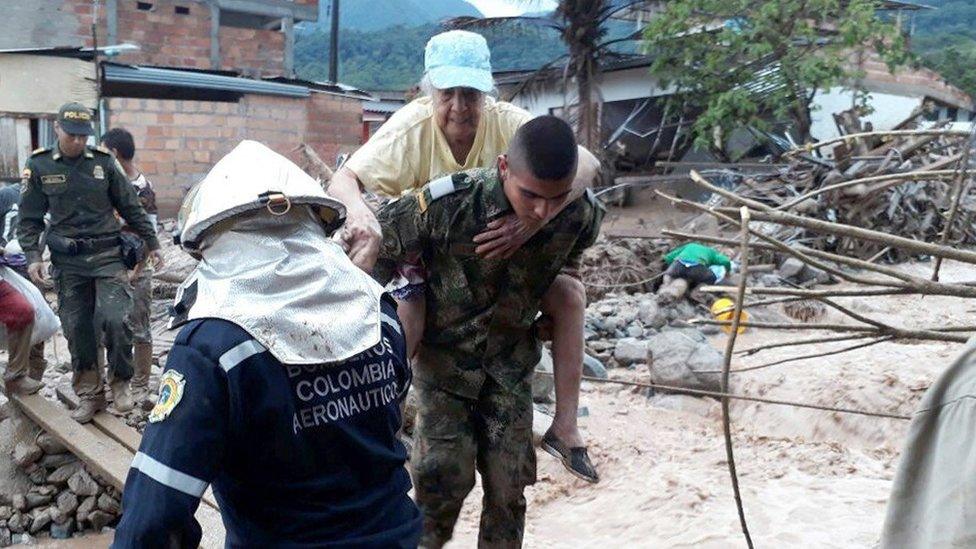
<point x="693" y="252"/>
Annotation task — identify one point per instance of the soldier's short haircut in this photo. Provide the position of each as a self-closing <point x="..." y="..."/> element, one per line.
<point x="546" y="147"/>
<point x="120" y="140"/>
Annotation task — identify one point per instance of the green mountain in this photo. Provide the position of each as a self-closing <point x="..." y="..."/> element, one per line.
<point x="945" y="41"/>
<point x="370" y="15"/>
<point x="393" y="59"/>
<point x="375" y="55"/>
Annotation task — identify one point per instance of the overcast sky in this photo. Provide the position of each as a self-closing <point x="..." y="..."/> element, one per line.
<point x="496" y="8"/>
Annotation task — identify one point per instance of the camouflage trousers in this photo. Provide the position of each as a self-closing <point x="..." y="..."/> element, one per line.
<point x="141" y="307"/>
<point x="456" y="435"/>
<point x="88" y="307"/>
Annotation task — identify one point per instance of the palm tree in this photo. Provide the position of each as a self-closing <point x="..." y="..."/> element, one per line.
<point x="582" y="25"/>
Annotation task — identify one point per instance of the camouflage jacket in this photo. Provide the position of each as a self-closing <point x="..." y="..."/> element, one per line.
<point x="81" y="194"/>
<point x="480" y="313"/>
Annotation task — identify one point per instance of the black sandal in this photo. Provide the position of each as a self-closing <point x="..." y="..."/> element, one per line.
<point x="575" y="460"/>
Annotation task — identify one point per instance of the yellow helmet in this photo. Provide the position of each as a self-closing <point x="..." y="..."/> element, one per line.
<point x="723" y="309"/>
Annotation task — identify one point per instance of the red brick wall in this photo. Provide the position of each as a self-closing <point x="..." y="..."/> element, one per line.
<point x="177" y="142"/>
<point x="253" y="52"/>
<point x="166" y="38"/>
<point x="170" y="39"/>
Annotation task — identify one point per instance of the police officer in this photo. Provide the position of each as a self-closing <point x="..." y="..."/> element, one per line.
<point x="480" y="344"/>
<point x="81" y="187"/>
<point x="283" y="386"/>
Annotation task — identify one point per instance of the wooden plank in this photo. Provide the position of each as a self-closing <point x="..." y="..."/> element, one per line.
<point x="117" y="430"/>
<point x="120" y="432"/>
<point x="108" y="459"/>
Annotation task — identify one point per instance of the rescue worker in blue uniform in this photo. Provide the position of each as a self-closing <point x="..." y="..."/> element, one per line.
<point x="283" y="387"/>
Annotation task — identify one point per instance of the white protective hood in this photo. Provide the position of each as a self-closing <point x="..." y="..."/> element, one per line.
<point x="278" y="276"/>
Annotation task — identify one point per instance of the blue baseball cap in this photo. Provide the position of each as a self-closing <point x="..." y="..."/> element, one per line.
<point x="458" y="58"/>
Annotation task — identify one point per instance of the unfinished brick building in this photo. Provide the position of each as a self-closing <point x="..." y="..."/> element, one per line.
<point x="203" y="75"/>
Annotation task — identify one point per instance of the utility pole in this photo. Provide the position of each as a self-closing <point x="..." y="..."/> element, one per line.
<point x="334" y="44"/>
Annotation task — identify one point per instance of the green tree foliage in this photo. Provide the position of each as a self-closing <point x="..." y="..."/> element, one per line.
<point x="742" y="63"/>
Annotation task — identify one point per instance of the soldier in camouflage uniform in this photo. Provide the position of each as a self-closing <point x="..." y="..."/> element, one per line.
<point x="81" y="187"/>
<point x="480" y="346"/>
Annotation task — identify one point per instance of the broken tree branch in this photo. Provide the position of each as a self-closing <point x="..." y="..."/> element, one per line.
<point x="804" y="357"/>
<point x="958" y="187"/>
<point x="726" y="367"/>
<point x="893" y="133"/>
<point x="795" y="343"/>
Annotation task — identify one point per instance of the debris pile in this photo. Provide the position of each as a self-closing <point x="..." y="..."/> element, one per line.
<point x="51" y="492"/>
<point x="901" y="186"/>
<point x="623" y="264"/>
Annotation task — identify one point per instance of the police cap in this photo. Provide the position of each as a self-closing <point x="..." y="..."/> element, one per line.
<point x="75" y="119"/>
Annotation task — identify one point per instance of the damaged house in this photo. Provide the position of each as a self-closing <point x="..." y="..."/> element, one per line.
<point x="188" y="78"/>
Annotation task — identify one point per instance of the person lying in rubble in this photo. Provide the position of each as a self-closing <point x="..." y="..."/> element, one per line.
<point x="458" y="126"/>
<point x="696" y="264"/>
<point x="473" y="371"/>
<point x="283" y="387"/>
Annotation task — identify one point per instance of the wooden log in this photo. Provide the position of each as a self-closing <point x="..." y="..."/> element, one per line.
<point x="851" y="137"/>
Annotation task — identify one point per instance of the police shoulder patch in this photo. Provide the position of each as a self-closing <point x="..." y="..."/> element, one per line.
<point x="40" y="150"/>
<point x="170" y="393"/>
<point x="102" y="150"/>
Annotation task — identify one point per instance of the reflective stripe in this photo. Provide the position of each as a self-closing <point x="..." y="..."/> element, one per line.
<point x="393" y="323"/>
<point x="240" y="353"/>
<point x="167" y="476"/>
<point x="441" y="187"/>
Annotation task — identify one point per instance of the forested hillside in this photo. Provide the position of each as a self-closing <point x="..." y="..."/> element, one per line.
<point x="945" y="40"/>
<point x="374" y="57"/>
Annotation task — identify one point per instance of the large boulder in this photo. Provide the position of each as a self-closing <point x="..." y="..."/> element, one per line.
<point x="679" y="359"/>
<point x="630" y="350"/>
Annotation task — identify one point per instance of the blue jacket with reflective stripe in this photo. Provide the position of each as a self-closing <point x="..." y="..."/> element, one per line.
<point x="299" y="456"/>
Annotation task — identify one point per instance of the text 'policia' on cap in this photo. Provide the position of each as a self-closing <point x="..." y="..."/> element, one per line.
<point x="76" y="119"/>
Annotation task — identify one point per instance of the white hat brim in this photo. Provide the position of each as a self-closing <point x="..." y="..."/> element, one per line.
<point x="443" y="78"/>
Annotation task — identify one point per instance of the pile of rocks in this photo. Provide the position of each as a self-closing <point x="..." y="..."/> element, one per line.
<point x="637" y="331"/>
<point x="50" y="492"/>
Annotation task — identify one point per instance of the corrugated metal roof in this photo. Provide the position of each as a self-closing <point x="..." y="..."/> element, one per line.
<point x="134" y="74"/>
<point x="385" y="107"/>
